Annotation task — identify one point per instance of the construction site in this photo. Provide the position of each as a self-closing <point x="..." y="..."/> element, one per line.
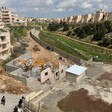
<point x="53" y="83"/>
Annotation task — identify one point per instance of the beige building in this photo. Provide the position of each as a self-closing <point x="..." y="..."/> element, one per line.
<point x="86" y="18"/>
<point x="108" y="16"/>
<point x="78" y="19"/>
<point x="5" y="45"/>
<point x="1" y="22"/>
<point x="6" y="16"/>
<point x="71" y="19"/>
<point x="99" y="16"/>
<point x="15" y="18"/>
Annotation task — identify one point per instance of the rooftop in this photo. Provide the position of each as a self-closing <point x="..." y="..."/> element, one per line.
<point x="75" y="69"/>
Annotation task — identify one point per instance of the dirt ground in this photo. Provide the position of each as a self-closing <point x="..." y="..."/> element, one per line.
<point x="44" y="55"/>
<point x="10" y="85"/>
<point x="79" y="101"/>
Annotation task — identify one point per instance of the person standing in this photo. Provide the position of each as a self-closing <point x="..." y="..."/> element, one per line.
<point x="3" y="100"/>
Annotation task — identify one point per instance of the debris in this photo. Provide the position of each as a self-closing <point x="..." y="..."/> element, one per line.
<point x="12" y="86"/>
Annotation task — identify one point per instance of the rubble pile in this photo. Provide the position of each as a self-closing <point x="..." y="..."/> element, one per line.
<point x="12" y="86"/>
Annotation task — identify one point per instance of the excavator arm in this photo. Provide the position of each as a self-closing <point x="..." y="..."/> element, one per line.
<point x="39" y="62"/>
<point x="26" y="67"/>
<point x="23" y="61"/>
<point x="42" y="64"/>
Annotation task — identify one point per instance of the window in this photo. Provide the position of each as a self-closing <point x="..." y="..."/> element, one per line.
<point x="46" y="73"/>
<point x="56" y="73"/>
<point x="61" y="71"/>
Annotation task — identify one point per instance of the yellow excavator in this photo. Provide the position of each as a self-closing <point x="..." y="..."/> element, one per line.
<point x="38" y="62"/>
<point x="25" y="63"/>
<point x="27" y="67"/>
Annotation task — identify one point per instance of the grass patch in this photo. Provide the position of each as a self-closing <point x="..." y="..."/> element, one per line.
<point x="63" y="43"/>
<point x="18" y="31"/>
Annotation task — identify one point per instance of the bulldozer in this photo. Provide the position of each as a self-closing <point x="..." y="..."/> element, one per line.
<point x="35" y="48"/>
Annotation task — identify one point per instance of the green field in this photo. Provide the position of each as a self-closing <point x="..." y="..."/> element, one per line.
<point x="75" y="48"/>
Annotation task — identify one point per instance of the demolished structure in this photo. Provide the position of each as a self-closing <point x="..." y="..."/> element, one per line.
<point x="17" y="71"/>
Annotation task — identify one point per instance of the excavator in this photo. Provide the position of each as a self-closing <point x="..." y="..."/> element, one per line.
<point x="25" y="63"/>
<point x="27" y="67"/>
<point x="38" y="62"/>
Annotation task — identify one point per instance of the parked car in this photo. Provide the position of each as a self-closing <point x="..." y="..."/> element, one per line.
<point x="24" y="45"/>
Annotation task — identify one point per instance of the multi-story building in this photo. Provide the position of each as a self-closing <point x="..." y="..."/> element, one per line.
<point x="78" y="19"/>
<point x="71" y="19"/>
<point x="99" y="16"/>
<point x="1" y="22"/>
<point x="6" y="16"/>
<point x="5" y="45"/>
<point x="15" y="18"/>
<point x="88" y="18"/>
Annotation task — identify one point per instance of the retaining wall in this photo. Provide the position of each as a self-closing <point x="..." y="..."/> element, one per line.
<point x="52" y="48"/>
<point x="101" y="60"/>
<point x="17" y="74"/>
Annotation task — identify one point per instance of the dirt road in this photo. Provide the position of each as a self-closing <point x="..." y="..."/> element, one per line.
<point x="44" y="55"/>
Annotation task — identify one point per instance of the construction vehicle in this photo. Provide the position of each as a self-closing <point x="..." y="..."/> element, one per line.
<point x="38" y="62"/>
<point x="27" y="66"/>
<point x="35" y="48"/>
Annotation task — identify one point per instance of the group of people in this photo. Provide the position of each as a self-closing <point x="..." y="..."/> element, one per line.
<point x="20" y="104"/>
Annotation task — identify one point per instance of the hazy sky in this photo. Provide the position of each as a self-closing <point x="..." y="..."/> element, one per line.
<point x="55" y="8"/>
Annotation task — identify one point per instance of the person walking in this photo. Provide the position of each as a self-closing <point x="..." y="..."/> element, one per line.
<point x="20" y="102"/>
<point x="3" y="100"/>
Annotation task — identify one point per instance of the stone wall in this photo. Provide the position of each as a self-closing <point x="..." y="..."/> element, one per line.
<point x="52" y="48"/>
<point x="101" y="60"/>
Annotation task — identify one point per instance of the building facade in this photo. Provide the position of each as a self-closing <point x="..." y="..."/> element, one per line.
<point x="9" y="18"/>
<point x="5" y="45"/>
<point x="99" y="16"/>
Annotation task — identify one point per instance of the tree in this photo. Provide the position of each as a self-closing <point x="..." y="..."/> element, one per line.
<point x="69" y="33"/>
<point x="66" y="27"/>
<point x="53" y="26"/>
<point x="107" y="41"/>
<point x="99" y="35"/>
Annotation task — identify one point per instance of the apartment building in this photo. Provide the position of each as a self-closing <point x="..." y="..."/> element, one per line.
<point x="87" y="18"/>
<point x="6" y="16"/>
<point x="15" y="18"/>
<point x="78" y="19"/>
<point x="71" y="19"/>
<point x="1" y="22"/>
<point x="5" y="45"/>
<point x="108" y="16"/>
<point x="99" y="16"/>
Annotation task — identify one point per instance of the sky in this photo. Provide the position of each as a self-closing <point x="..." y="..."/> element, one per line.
<point x="55" y="8"/>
